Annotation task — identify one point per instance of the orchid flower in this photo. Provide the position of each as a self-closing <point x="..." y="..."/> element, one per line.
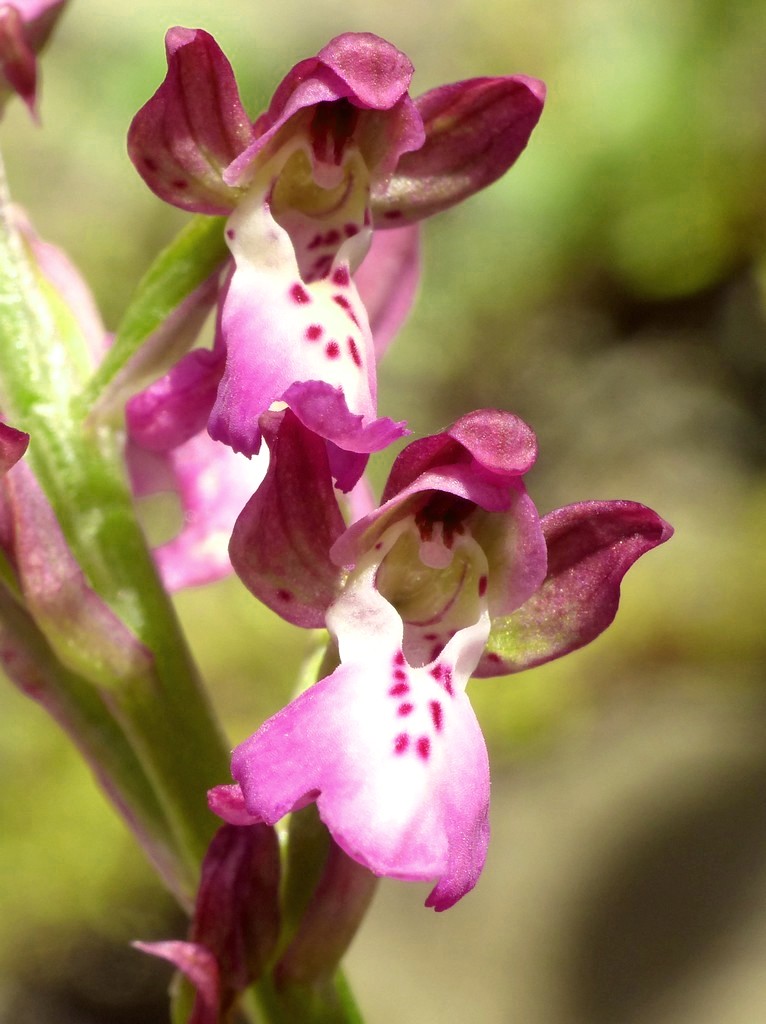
<point x="341" y="150"/>
<point x="453" y="575"/>
<point x="25" y="26"/>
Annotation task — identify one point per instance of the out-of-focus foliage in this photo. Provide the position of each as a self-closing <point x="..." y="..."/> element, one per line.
<point x="610" y="290"/>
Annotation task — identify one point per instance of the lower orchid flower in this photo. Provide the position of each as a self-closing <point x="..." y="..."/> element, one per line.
<point x="453" y="575"/>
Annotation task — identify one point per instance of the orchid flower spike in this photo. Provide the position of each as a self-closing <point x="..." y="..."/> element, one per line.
<point x="453" y="575"/>
<point x="341" y="150"/>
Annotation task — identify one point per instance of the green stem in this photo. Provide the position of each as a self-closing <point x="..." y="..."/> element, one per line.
<point x="162" y="711"/>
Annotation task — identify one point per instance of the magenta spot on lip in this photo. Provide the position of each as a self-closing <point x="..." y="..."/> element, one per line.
<point x="314" y="332"/>
<point x="399" y="690"/>
<point x="399" y="673"/>
<point x="424" y="747"/>
<point x="392" y="214"/>
<point x="341" y="277"/>
<point x="332" y="237"/>
<point x="436" y="671"/>
<point x="342" y="301"/>
<point x="405" y="709"/>
<point x="401" y="742"/>
<point x="482" y="586"/>
<point x="448" y="682"/>
<point x="315" y="242"/>
<point x="299" y="294"/>
<point x="332" y="348"/>
<point x="354" y="352"/>
<point x="399" y="658"/>
<point x="494" y="657"/>
<point x="284" y="595"/>
<point x="436" y="714"/>
<point x="350" y="230"/>
<point x="180" y="183"/>
<point x="231" y="233"/>
<point x="379" y="545"/>
<point x="430" y="636"/>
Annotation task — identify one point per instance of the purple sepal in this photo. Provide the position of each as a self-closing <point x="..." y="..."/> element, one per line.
<point x="387" y="282"/>
<point x="591" y="545"/>
<point x="281" y="541"/>
<point x="475" y="131"/>
<point x="236" y="920"/>
<point x="25" y="26"/>
<point x="13" y="444"/>
<point x="193" y="127"/>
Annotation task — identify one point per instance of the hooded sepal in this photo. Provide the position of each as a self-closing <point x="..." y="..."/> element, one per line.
<point x="281" y="541"/>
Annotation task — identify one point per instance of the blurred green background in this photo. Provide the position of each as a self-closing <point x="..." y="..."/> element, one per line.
<point x="611" y="291"/>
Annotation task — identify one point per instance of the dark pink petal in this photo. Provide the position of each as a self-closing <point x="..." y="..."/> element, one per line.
<point x="591" y="546"/>
<point x="281" y="541"/>
<point x="387" y="282"/>
<point x="392" y="754"/>
<point x="361" y="70"/>
<point x="25" y="26"/>
<point x="13" y="444"/>
<point x="177" y="406"/>
<point x="475" y="130"/>
<point x="199" y="966"/>
<point x="499" y="442"/>
<point x="373" y="72"/>
<point x="184" y="137"/>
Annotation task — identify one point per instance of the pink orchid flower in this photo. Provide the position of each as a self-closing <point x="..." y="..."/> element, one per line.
<point x="453" y="575"/>
<point x="342" y="150"/>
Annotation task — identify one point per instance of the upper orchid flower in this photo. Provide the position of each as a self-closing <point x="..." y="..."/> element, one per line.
<point x="454" y="575"/>
<point x="25" y="26"/>
<point x="342" y="149"/>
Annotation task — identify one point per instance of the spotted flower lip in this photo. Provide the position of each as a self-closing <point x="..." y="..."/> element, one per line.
<point x="393" y="755"/>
